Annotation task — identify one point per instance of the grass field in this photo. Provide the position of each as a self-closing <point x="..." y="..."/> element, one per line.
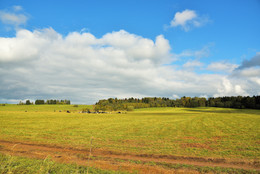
<point x="11" y="164"/>
<point x="181" y="133"/>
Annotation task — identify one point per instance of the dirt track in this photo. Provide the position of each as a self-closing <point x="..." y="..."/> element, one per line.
<point x="118" y="161"/>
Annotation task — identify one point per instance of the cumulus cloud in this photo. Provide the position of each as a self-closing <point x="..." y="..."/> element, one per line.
<point x="181" y="18"/>
<point x="250" y="77"/>
<point x="26" y="44"/>
<point x="81" y="66"/>
<point x="188" y="19"/>
<point x="242" y="80"/>
<point x="43" y="64"/>
<point x="227" y="88"/>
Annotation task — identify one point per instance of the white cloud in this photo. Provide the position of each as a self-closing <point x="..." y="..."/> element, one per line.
<point x="248" y="72"/>
<point x="227" y="88"/>
<point x="245" y="81"/>
<point x="14" y="18"/>
<point x="17" y="8"/>
<point x="175" y="96"/>
<point x="81" y="65"/>
<point x="222" y="67"/>
<point x="256" y="80"/>
<point x="26" y="45"/>
<point x="202" y="53"/>
<point x="188" y="19"/>
<point x="181" y="18"/>
<point x="204" y="96"/>
<point x="43" y="64"/>
<point x="250" y="77"/>
<point x="192" y="64"/>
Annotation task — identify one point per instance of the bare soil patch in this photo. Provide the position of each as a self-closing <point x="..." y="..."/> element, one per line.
<point x="116" y="160"/>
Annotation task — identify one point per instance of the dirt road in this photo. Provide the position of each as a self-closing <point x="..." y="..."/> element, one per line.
<point x="118" y="161"/>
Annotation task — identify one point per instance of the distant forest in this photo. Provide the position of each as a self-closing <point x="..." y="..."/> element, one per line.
<point x="48" y="102"/>
<point x="239" y="102"/>
<point x="52" y="102"/>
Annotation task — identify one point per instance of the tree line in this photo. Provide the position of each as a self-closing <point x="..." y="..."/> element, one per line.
<point x="240" y="102"/>
<point x="52" y="102"/>
<point x="48" y="102"/>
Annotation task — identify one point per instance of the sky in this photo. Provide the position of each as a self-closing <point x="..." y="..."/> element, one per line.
<point x="86" y="50"/>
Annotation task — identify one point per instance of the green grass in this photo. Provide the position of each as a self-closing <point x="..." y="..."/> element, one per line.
<point x="11" y="164"/>
<point x="22" y="165"/>
<point x="200" y="132"/>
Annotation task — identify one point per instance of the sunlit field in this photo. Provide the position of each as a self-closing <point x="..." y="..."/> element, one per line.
<point x="180" y="132"/>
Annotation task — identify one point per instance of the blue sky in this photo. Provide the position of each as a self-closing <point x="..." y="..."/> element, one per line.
<point x="232" y="24"/>
<point x="206" y="40"/>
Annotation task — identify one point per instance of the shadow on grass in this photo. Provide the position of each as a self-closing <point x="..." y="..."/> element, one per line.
<point x="225" y="110"/>
<point x="163" y="114"/>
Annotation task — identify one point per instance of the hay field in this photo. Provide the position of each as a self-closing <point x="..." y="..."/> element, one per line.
<point x="189" y="136"/>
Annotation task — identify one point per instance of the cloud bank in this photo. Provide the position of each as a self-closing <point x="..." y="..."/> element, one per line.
<point x="255" y="61"/>
<point x="43" y="64"/>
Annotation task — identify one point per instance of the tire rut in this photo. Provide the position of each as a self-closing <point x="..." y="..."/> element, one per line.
<point x="116" y="160"/>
